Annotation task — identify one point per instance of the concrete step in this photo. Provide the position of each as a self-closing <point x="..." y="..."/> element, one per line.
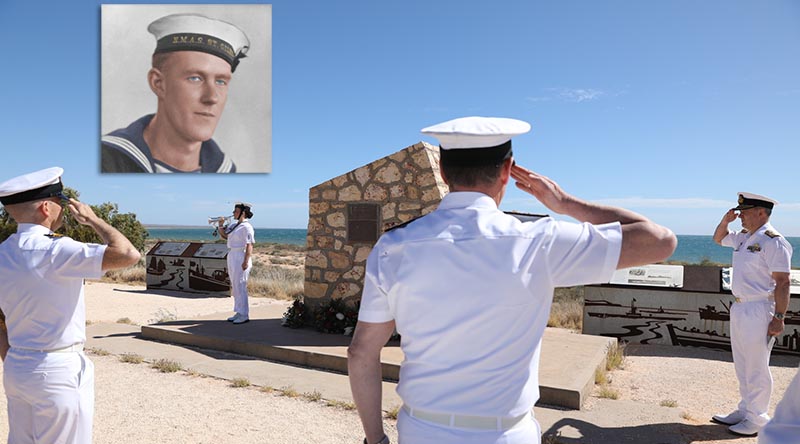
<point x="566" y="373"/>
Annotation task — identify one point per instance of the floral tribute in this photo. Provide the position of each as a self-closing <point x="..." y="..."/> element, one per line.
<point x="334" y="316"/>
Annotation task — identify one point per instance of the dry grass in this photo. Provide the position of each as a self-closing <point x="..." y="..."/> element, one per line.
<point x="167" y="366"/>
<point x="669" y="403"/>
<point x="600" y="376"/>
<point x="289" y="392"/>
<point x="607" y="393"/>
<point x="345" y="405"/>
<point x="276" y="282"/>
<point x="688" y="417"/>
<point x="393" y="412"/>
<point x="567" y="310"/>
<point x="240" y="382"/>
<point x="131" y="358"/>
<point x="125" y="321"/>
<point x="135" y="275"/>
<point x="615" y="356"/>
<point x="313" y="396"/>
<point x="97" y="351"/>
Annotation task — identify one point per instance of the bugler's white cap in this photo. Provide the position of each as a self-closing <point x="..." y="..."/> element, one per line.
<point x="476" y="132"/>
<point x="244" y="204"/>
<point x="32" y="186"/>
<point x="751" y="200"/>
<point x="194" y="32"/>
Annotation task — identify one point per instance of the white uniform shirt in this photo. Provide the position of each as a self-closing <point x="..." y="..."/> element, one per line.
<point x="41" y="287"/>
<point x="755" y="257"/>
<point x="470" y="290"/>
<point x="241" y="235"/>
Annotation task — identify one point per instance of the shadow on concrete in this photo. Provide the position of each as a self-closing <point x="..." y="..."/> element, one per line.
<point x="173" y="293"/>
<point x="565" y="430"/>
<point x="268" y="339"/>
<point x="262" y="331"/>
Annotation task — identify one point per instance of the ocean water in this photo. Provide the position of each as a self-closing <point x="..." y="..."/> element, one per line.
<point x="292" y="236"/>
<point x="691" y="249"/>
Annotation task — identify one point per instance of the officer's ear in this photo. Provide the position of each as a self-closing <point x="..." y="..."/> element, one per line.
<point x="155" y="78"/>
<point x="505" y="170"/>
<point x="44" y="209"/>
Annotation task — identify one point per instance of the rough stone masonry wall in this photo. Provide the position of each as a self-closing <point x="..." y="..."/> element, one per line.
<point x="406" y="185"/>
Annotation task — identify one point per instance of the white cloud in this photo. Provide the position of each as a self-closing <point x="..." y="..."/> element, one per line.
<point x="579" y="94"/>
<point x="574" y="95"/>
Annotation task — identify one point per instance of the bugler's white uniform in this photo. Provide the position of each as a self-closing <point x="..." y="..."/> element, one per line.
<point x="48" y="381"/>
<point x="470" y="290"/>
<point x="785" y="425"/>
<point x="241" y="235"/>
<point x="755" y="257"/>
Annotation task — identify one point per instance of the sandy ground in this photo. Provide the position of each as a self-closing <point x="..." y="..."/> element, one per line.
<point x="180" y="408"/>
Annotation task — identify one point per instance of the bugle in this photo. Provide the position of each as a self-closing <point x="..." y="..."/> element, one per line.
<point x="215" y="220"/>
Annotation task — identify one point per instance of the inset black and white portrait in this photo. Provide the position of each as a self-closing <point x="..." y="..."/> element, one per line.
<point x="186" y="88"/>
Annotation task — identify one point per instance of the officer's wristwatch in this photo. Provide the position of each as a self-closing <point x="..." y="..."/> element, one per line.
<point x="779" y="316"/>
<point x="384" y="440"/>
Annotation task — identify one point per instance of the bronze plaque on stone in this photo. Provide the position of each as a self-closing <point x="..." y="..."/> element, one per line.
<point x="362" y="223"/>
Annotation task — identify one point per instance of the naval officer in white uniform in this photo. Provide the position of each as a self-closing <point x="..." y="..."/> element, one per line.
<point x="469" y="289"/>
<point x="241" y="236"/>
<point x="49" y="382"/>
<point x="762" y="261"/>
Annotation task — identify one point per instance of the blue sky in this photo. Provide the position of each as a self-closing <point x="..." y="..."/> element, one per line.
<point x="668" y="108"/>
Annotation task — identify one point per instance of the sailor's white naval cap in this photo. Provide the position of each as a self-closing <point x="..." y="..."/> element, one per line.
<point x="32" y="186"/>
<point x="476" y="140"/>
<point x="751" y="200"/>
<point x="194" y="32"/>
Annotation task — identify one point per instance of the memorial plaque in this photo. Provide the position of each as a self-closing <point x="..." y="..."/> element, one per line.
<point x="362" y="223"/>
<point x="670" y="276"/>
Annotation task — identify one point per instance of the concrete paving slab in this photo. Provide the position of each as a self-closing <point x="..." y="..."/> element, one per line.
<point x="607" y="421"/>
<point x="567" y="365"/>
<point x="119" y="339"/>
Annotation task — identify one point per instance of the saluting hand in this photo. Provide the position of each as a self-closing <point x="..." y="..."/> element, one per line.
<point x="547" y="191"/>
<point x="82" y="212"/>
<point x="729" y="217"/>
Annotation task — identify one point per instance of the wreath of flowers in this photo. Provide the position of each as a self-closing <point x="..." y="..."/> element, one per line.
<point x="334" y="316"/>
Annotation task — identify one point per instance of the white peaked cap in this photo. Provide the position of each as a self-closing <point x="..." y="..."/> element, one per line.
<point x="476" y="132"/>
<point x="32" y="186"/>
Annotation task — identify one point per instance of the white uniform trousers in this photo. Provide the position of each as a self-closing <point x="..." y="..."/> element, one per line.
<point x="785" y="425"/>
<point x="238" y="279"/>
<point x="50" y="397"/>
<point x="416" y="431"/>
<point x="749" y="342"/>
